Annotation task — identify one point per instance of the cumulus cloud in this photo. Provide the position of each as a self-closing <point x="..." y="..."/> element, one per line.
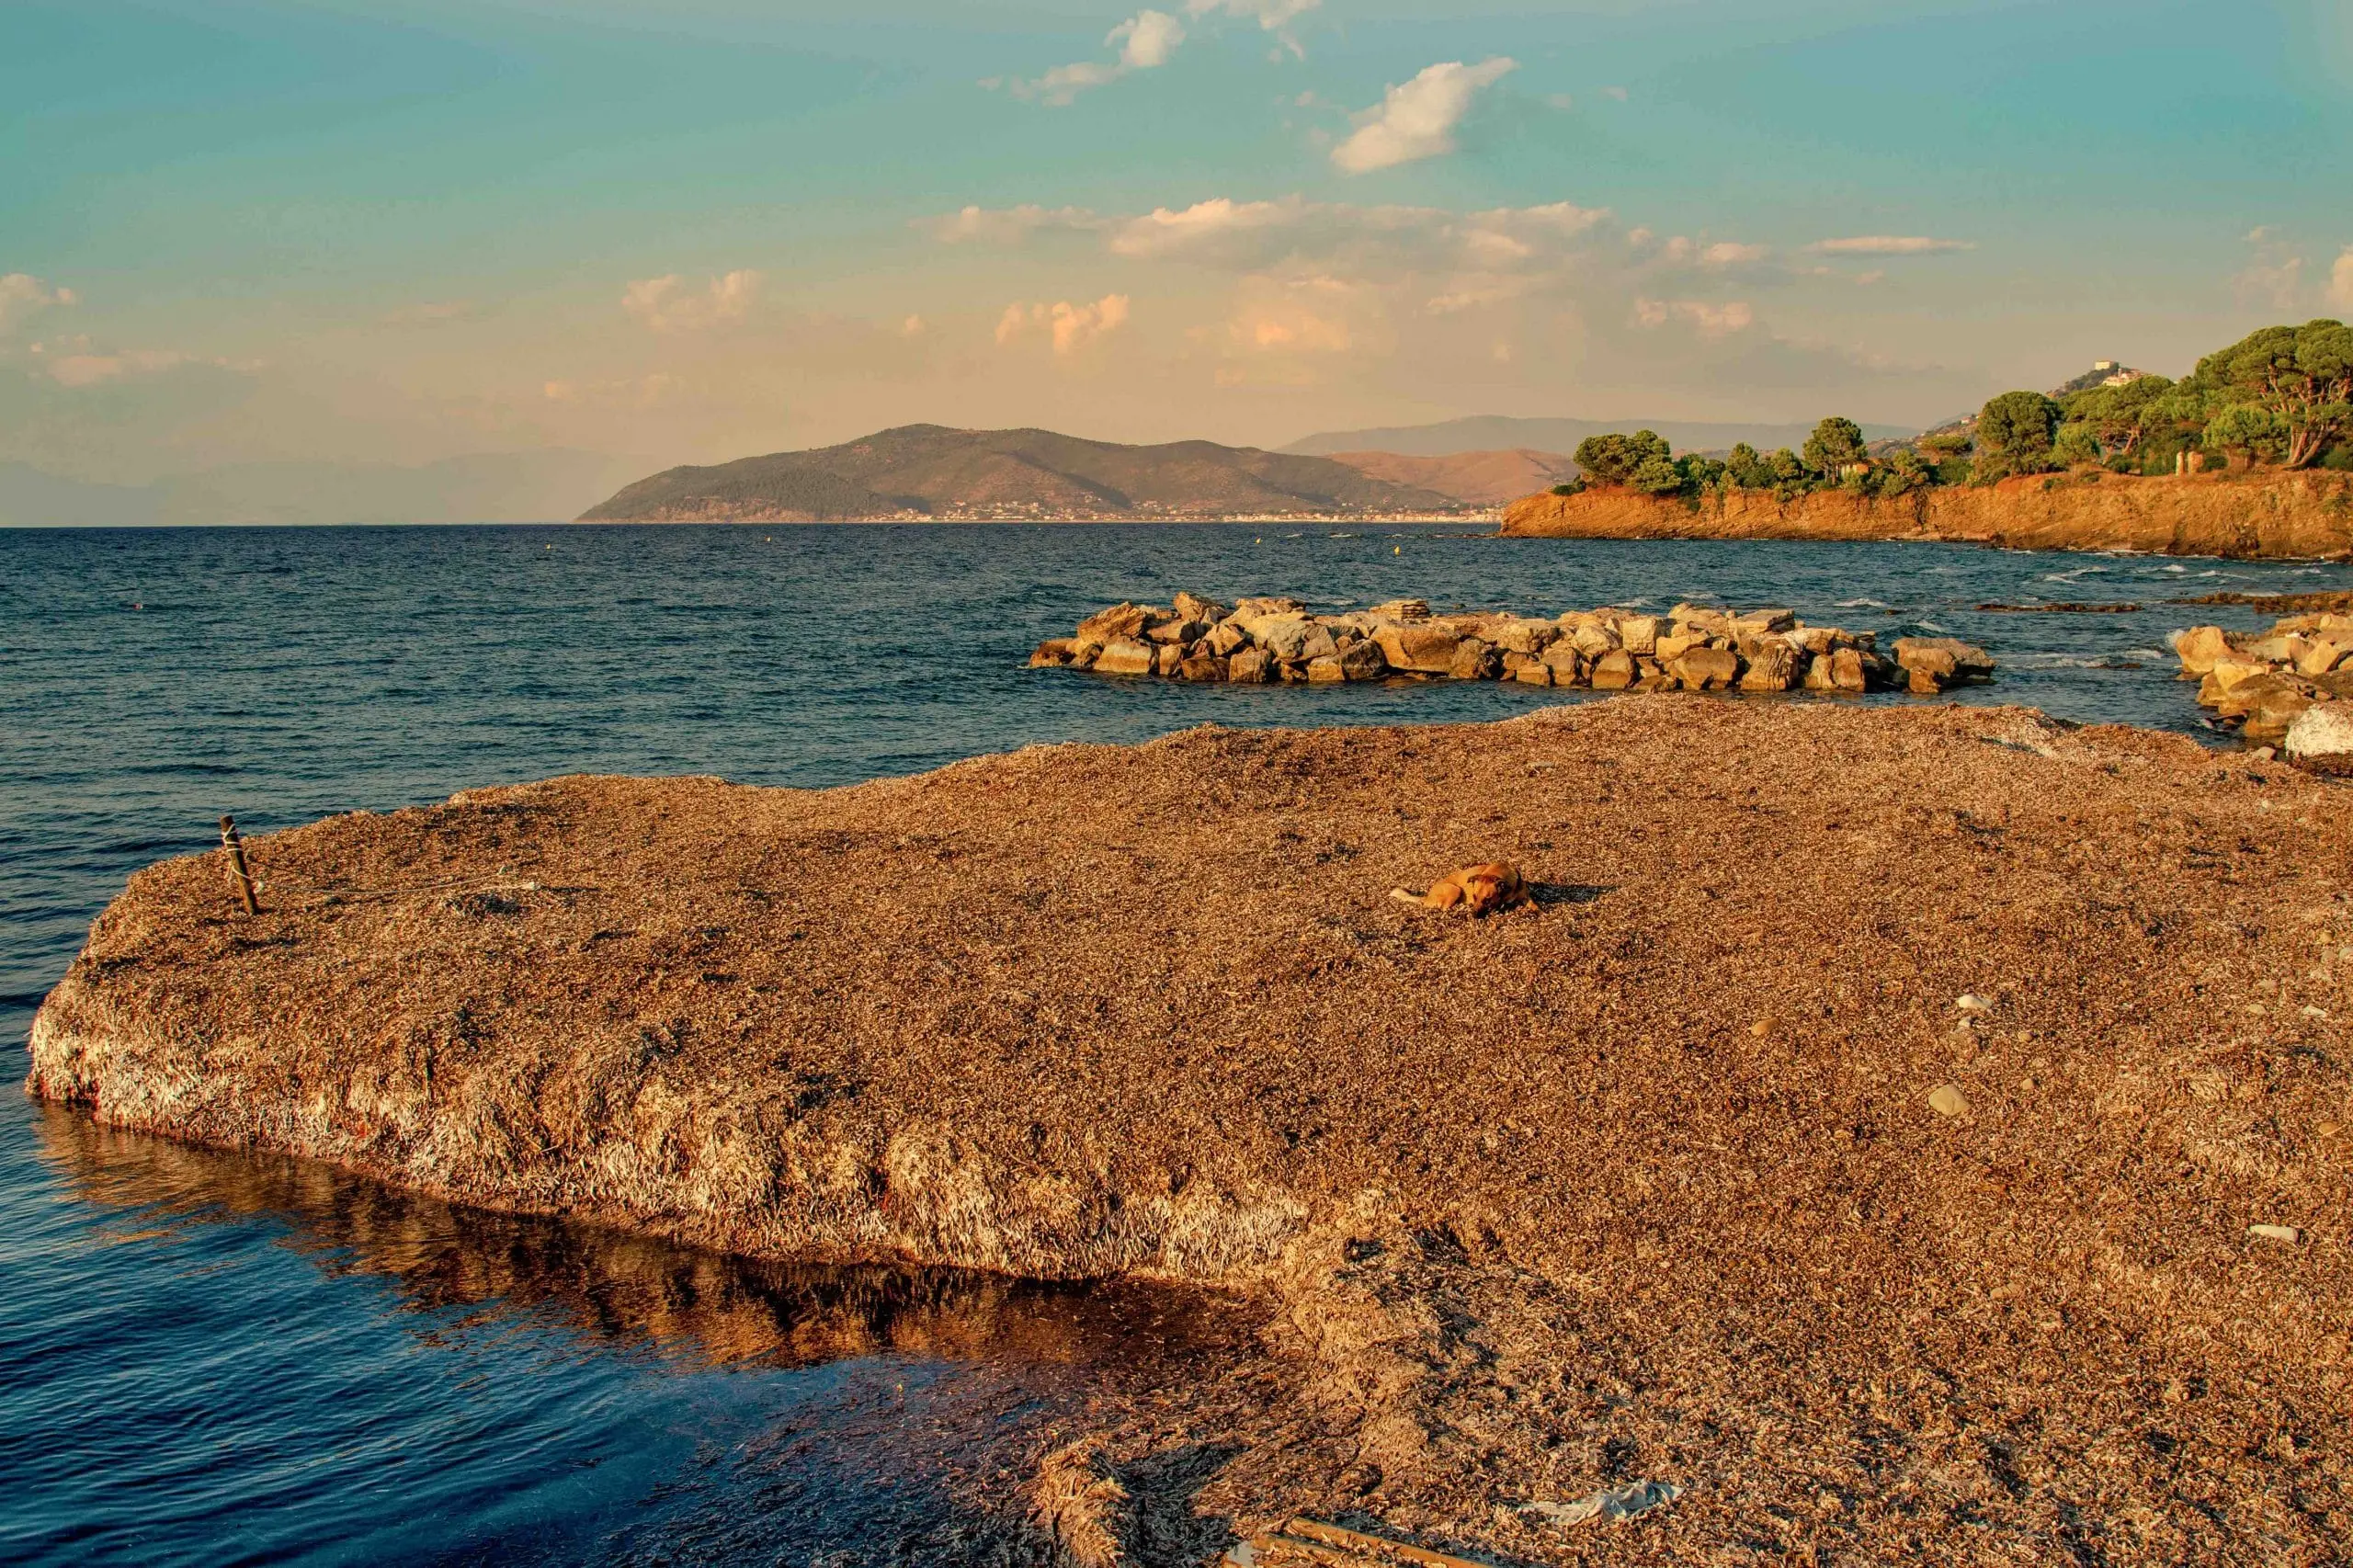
<point x="1146" y="41"/>
<point x="83" y="368"/>
<point x="1708" y="319"/>
<point x="2274" y="274"/>
<point x="1888" y="245"/>
<point x="1417" y="119"/>
<point x="23" y="296"/>
<point x="2340" y="280"/>
<point x="1271" y="15"/>
<point x="1070" y="327"/>
<point x="1009" y="225"/>
<point x="666" y="305"/>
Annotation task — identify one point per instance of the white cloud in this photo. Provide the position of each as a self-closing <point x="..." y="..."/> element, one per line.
<point x="2274" y="275"/>
<point x="1071" y="327"/>
<point x="1708" y="320"/>
<point x="1146" y="41"/>
<point x="2340" y="280"/>
<point x="660" y="305"/>
<point x="1164" y="232"/>
<point x="90" y="370"/>
<point x="1725" y="254"/>
<point x="23" y="296"/>
<point x="1416" y="119"/>
<point x="1009" y="225"/>
<point x="1888" y="245"/>
<point x="1271" y="15"/>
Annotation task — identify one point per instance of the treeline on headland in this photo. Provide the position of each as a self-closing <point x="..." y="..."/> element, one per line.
<point x="2280" y="397"/>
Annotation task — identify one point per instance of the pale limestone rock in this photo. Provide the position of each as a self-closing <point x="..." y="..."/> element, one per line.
<point x="1126" y="656"/>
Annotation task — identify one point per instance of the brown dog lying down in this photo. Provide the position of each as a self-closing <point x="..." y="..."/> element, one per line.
<point x="1473" y="890"/>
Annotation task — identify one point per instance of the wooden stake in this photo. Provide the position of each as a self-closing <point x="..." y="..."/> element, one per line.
<point x="236" y="848"/>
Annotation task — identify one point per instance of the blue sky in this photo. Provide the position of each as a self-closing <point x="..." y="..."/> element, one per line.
<point x="233" y="230"/>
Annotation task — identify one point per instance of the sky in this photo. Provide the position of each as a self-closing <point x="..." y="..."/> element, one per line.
<point x="239" y="231"/>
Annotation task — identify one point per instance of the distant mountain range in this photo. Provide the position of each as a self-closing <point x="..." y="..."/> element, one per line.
<point x="1493" y="432"/>
<point x="1475" y="479"/>
<point x="928" y="470"/>
<point x="496" y="487"/>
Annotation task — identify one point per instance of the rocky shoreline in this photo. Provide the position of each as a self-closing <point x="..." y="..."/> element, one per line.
<point x="2292" y="686"/>
<point x="2267" y="516"/>
<point x="1902" y="1131"/>
<point x="1690" y="648"/>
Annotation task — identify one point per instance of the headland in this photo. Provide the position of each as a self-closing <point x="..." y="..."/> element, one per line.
<point x="2264" y="514"/>
<point x="1908" y="1132"/>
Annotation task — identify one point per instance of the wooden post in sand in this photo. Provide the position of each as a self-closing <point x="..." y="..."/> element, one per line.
<point x="236" y="848"/>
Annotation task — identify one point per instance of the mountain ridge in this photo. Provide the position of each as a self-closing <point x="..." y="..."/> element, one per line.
<point x="1495" y="432"/>
<point x="916" y="472"/>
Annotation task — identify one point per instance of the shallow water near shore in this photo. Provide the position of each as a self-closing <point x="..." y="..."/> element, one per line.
<point x="208" y="1357"/>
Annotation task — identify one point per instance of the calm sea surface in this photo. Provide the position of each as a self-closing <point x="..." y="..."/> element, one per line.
<point x="208" y="1358"/>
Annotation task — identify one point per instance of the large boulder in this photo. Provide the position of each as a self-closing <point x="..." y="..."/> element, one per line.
<point x="1285" y="636"/>
<point x="2275" y="711"/>
<point x="1706" y="669"/>
<point x="1319" y="643"/>
<point x="1566" y="664"/>
<point x="1532" y="672"/>
<point x="1250" y="666"/>
<point x="1122" y="620"/>
<point x="1943" y="660"/>
<point x="2201" y="646"/>
<point x="1773" y="667"/>
<point x="1363" y="660"/>
<point x="1202" y="665"/>
<point x="1613" y="671"/>
<point x="1127" y="656"/>
<point x="1051" y="654"/>
<point x="1593" y="640"/>
<point x="2321" y="738"/>
<point x="1425" y="646"/>
<point x="1249" y="613"/>
<point x="1764" y="623"/>
<point x="1166" y="658"/>
<point x="1192" y="606"/>
<point x="1325" y="670"/>
<point x="1516" y="635"/>
<point x="1226" y="636"/>
<point x="1401" y="610"/>
<point x="1672" y="645"/>
<point x="1638" y="634"/>
<point x="1474" y="660"/>
<point x="2324" y="654"/>
<point x="1179" y="630"/>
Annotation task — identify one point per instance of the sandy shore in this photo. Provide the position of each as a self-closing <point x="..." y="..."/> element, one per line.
<point x="1647" y="1183"/>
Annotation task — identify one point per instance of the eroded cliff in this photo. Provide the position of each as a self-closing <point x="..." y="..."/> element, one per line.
<point x="2302" y="516"/>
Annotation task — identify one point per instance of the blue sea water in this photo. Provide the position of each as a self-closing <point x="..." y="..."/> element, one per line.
<point x="212" y="1359"/>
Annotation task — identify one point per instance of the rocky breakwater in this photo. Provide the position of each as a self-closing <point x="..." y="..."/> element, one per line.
<point x="1690" y="648"/>
<point x="2292" y="686"/>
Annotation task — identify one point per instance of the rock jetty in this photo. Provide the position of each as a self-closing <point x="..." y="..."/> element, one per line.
<point x="1690" y="648"/>
<point x="1915" y="1133"/>
<point x="2290" y="686"/>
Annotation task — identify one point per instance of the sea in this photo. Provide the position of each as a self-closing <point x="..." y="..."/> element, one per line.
<point x="219" y="1358"/>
